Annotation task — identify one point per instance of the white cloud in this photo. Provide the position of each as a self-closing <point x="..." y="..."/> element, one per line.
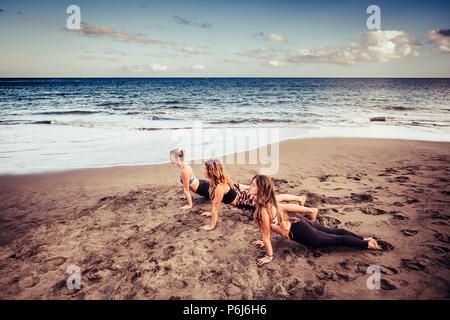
<point x="92" y="57"/>
<point x="275" y="38"/>
<point x="144" y="68"/>
<point x="441" y="38"/>
<point x="91" y="30"/>
<point x="159" y="67"/>
<point x="372" y="46"/>
<point x="252" y="53"/>
<point x="191" y="50"/>
<point x="198" y="67"/>
<point x="275" y="63"/>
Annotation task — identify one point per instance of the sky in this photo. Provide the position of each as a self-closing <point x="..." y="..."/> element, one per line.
<point x="164" y="38"/>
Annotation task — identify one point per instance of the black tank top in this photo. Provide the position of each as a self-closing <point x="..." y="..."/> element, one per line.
<point x="230" y="195"/>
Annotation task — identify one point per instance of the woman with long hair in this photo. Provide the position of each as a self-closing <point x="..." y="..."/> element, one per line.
<point x="222" y="189"/>
<point x="269" y="216"/>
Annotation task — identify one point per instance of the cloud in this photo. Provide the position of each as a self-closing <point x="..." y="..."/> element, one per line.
<point x="91" y="57"/>
<point x="258" y="35"/>
<point x="159" y="67"/>
<point x="198" y="67"/>
<point x="142" y="69"/>
<point x="372" y="46"/>
<point x="183" y="21"/>
<point x="441" y="38"/>
<point x="91" y="30"/>
<point x="275" y="38"/>
<point x="111" y="51"/>
<point x="275" y="63"/>
<point x="257" y="53"/>
<point x="191" y="50"/>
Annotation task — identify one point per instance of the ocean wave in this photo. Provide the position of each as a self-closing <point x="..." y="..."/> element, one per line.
<point x="17" y="122"/>
<point x="394" y="108"/>
<point x="114" y="104"/>
<point x="180" y="107"/>
<point x="138" y="112"/>
<point x="171" y="101"/>
<point x="253" y="121"/>
<point x="67" y="112"/>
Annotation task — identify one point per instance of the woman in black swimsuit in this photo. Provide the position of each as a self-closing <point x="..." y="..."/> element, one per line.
<point x="270" y="217"/>
<point x="222" y="189"/>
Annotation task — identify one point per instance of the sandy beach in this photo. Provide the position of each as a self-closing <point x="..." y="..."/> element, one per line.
<point x="123" y="228"/>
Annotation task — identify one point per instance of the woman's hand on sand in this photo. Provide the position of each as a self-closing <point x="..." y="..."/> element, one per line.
<point x="258" y="243"/>
<point x="264" y="260"/>
<point x="206" y="214"/>
<point x="206" y="228"/>
<point x="186" y="207"/>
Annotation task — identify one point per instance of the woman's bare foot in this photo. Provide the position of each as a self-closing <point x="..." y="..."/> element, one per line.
<point x="313" y="214"/>
<point x="301" y="200"/>
<point x="373" y="244"/>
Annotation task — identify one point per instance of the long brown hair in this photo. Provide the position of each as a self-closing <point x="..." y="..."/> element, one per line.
<point x="217" y="175"/>
<point x="266" y="198"/>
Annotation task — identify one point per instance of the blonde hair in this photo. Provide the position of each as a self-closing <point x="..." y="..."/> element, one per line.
<point x="266" y="199"/>
<point x="217" y="175"/>
<point x="178" y="153"/>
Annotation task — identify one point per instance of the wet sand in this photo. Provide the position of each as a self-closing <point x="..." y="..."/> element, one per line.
<point x="123" y="228"/>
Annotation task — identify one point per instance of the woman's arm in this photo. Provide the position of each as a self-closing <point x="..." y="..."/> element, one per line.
<point x="186" y="191"/>
<point x="243" y="187"/>
<point x="218" y="196"/>
<point x="265" y="229"/>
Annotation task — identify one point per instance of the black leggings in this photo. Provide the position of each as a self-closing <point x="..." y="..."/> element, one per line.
<point x="315" y="235"/>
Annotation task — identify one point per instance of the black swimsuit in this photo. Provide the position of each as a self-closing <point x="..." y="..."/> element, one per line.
<point x="230" y="195"/>
<point x="203" y="190"/>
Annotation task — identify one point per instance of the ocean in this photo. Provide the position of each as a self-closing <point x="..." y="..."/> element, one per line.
<point x="59" y="124"/>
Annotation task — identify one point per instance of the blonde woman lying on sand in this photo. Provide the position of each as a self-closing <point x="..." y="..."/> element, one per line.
<point x="222" y="189"/>
<point x="187" y="178"/>
<point x="269" y="216"/>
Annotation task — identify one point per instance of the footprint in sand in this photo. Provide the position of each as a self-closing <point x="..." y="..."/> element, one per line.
<point x="442" y="237"/>
<point x="52" y="263"/>
<point x="388" y="270"/>
<point x="409" y="233"/>
<point x="386" y="246"/>
<point x="412" y="265"/>
<point x="398" y="216"/>
<point x="438" y="249"/>
<point x="353" y="224"/>
<point x="372" y="211"/>
<point x="387" y="285"/>
<point x="361" y="197"/>
<point x="28" y="282"/>
<point x="401" y="179"/>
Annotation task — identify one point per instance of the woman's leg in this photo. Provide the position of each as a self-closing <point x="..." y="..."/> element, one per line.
<point x="303" y="232"/>
<point x="295" y="208"/>
<point x="333" y="230"/>
<point x="285" y="197"/>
